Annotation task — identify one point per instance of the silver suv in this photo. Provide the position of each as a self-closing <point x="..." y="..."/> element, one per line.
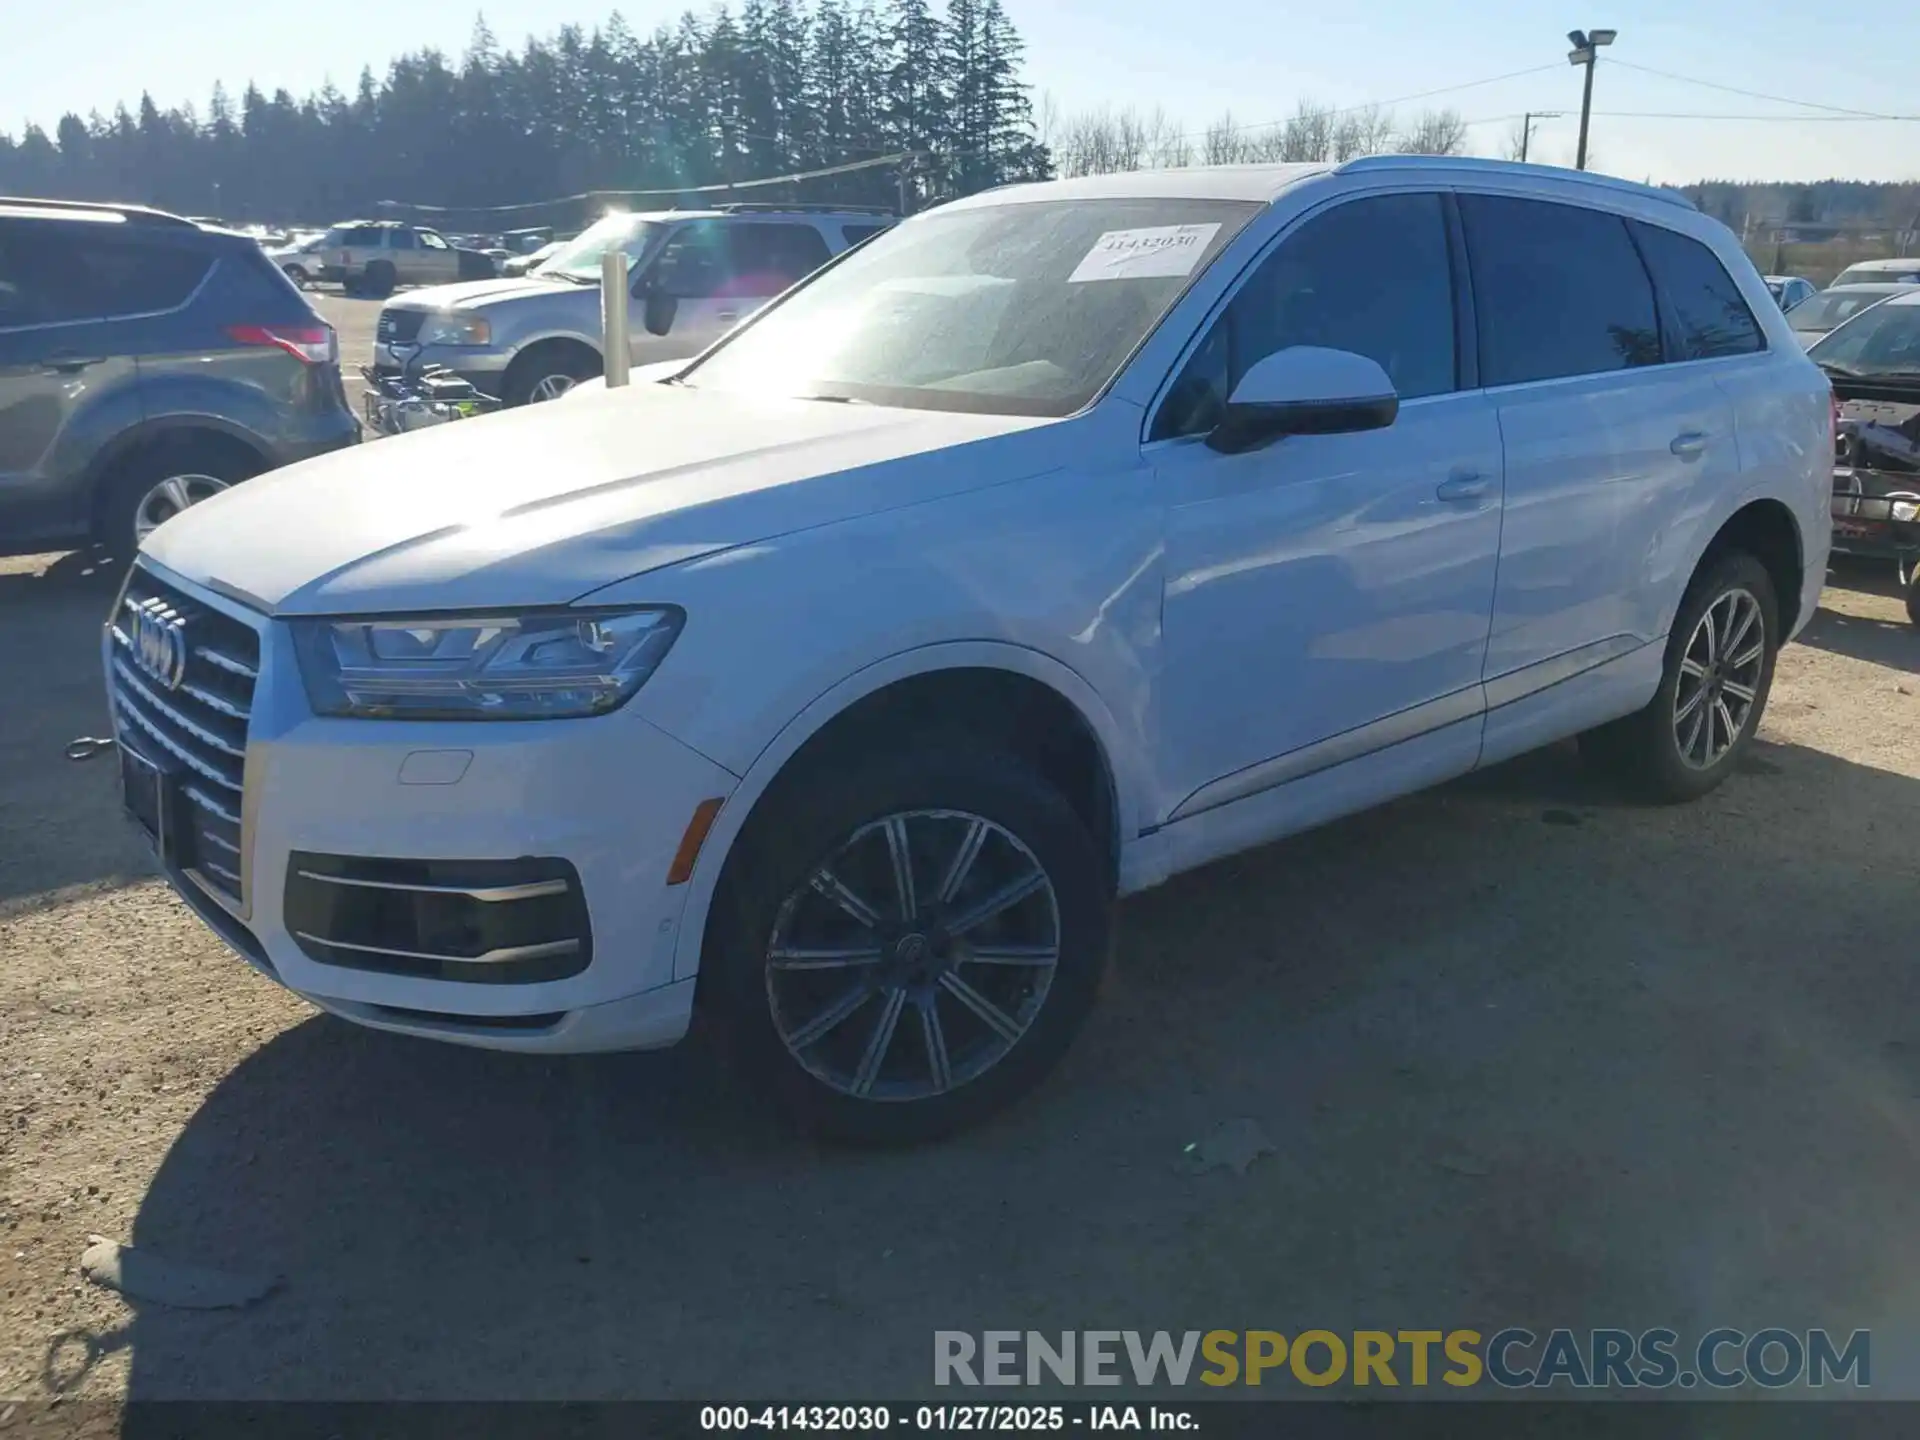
<point x="696" y="273"/>
<point x="371" y="257"/>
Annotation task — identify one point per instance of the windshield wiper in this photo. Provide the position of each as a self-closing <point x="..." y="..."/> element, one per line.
<point x="1834" y="368"/>
<point x="835" y="399"/>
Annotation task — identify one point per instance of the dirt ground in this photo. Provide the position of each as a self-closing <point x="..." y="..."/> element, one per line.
<point x="1526" y="1054"/>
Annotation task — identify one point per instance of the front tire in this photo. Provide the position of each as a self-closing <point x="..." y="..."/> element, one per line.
<point x="297" y="275"/>
<point x="547" y="372"/>
<point x="1713" y="690"/>
<point x="903" y="946"/>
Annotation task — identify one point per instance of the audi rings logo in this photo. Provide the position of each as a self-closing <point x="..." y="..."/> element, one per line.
<point x="159" y="641"/>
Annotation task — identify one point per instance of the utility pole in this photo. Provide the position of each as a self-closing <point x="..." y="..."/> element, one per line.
<point x="1526" y="128"/>
<point x="1586" y="43"/>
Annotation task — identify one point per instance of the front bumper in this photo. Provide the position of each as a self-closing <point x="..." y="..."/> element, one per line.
<point x="482" y="367"/>
<point x="610" y="796"/>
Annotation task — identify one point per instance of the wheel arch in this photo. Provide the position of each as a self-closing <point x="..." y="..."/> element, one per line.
<point x="166" y="431"/>
<point x="1766" y="529"/>
<point x="1092" y="764"/>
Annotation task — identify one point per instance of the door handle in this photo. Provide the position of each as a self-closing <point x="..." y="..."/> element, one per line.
<point x="1689" y="444"/>
<point x="66" y="364"/>
<point x="1467" y="486"/>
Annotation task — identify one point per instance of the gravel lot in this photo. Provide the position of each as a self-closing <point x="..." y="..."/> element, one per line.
<point x="1526" y="1055"/>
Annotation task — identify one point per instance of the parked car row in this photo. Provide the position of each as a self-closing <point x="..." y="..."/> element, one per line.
<point x="834" y="681"/>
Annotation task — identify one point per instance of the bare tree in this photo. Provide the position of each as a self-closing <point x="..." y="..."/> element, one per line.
<point x="1437" y="132"/>
<point x="1100" y="142"/>
<point x="1225" y="143"/>
<point x="1515" y="146"/>
<point x="1308" y="133"/>
<point x="1362" y="132"/>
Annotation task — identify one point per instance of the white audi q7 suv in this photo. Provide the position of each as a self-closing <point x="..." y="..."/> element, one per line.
<point x="1058" y="540"/>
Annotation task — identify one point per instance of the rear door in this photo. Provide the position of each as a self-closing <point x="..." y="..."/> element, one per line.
<point x="435" y="258"/>
<point x="1603" y="443"/>
<point x="78" y="304"/>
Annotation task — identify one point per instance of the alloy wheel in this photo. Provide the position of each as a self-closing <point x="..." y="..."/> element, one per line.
<point x="1719" y="679"/>
<point x="550" y="387"/>
<point x="915" y="957"/>
<point x="169" y="498"/>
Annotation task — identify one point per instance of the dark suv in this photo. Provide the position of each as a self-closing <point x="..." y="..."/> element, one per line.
<point x="146" y="363"/>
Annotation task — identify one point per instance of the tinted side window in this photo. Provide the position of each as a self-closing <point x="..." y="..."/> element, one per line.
<point x="1705" y="310"/>
<point x="1558" y="290"/>
<point x="769" y="258"/>
<point x="1371" y="276"/>
<point x="48" y="277"/>
<point x="693" y="264"/>
<point x="856" y="233"/>
<point x="400" y="239"/>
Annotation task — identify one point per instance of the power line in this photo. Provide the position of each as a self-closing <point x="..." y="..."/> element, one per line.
<point x="718" y="189"/>
<point x="1372" y="104"/>
<point x="1750" y="94"/>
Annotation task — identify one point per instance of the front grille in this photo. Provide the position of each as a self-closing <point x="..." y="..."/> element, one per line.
<point x="486" y="922"/>
<point x="398" y="327"/>
<point x="193" y="716"/>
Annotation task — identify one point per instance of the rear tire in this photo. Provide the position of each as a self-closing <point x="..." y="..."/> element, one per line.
<point x="932" y="1037"/>
<point x="1913" y="595"/>
<point x="1712" y="693"/>
<point x="153" y="485"/>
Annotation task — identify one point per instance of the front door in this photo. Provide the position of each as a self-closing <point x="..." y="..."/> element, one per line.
<point x="713" y="274"/>
<point x="1336" y="585"/>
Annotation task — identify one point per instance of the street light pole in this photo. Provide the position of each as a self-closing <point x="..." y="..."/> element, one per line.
<point x="1586" y="44"/>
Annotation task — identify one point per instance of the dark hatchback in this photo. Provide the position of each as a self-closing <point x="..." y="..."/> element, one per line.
<point x="1874" y="364"/>
<point x="146" y="363"/>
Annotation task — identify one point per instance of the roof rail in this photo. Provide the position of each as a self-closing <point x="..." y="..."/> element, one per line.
<point x="132" y="214"/>
<point x="762" y="207"/>
<point x="1471" y="166"/>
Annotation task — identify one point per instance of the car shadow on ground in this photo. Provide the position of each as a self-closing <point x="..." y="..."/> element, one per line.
<point x="1522" y="1056"/>
<point x="1892" y="643"/>
<point x="60" y="822"/>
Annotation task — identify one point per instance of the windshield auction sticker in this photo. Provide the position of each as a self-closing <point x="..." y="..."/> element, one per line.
<point x="1156" y="251"/>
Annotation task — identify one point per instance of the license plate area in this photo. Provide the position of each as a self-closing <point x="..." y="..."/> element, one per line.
<point x="150" y="794"/>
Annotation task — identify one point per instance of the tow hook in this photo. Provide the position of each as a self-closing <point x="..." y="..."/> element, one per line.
<point x="88" y="746"/>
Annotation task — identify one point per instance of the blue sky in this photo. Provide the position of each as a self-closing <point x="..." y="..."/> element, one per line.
<point x="1253" y="57"/>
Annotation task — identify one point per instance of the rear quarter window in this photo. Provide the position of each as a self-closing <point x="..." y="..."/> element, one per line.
<point x="1706" y="316"/>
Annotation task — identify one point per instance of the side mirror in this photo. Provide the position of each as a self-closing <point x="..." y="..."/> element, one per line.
<point x="658" y="310"/>
<point x="1305" y="390"/>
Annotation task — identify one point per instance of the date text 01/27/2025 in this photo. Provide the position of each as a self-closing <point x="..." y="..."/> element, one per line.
<point x="979" y="1419"/>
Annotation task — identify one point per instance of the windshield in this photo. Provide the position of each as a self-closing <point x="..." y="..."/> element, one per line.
<point x="1013" y="309"/>
<point x="1884" y="341"/>
<point x="1828" y="309"/>
<point x="579" y="258"/>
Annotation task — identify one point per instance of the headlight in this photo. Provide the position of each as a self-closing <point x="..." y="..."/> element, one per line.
<point x="541" y="666"/>
<point x="1906" y="509"/>
<point x="456" y="330"/>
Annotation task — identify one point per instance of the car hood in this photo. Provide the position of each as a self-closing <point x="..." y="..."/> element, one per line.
<point x="475" y="294"/>
<point x="544" y="504"/>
